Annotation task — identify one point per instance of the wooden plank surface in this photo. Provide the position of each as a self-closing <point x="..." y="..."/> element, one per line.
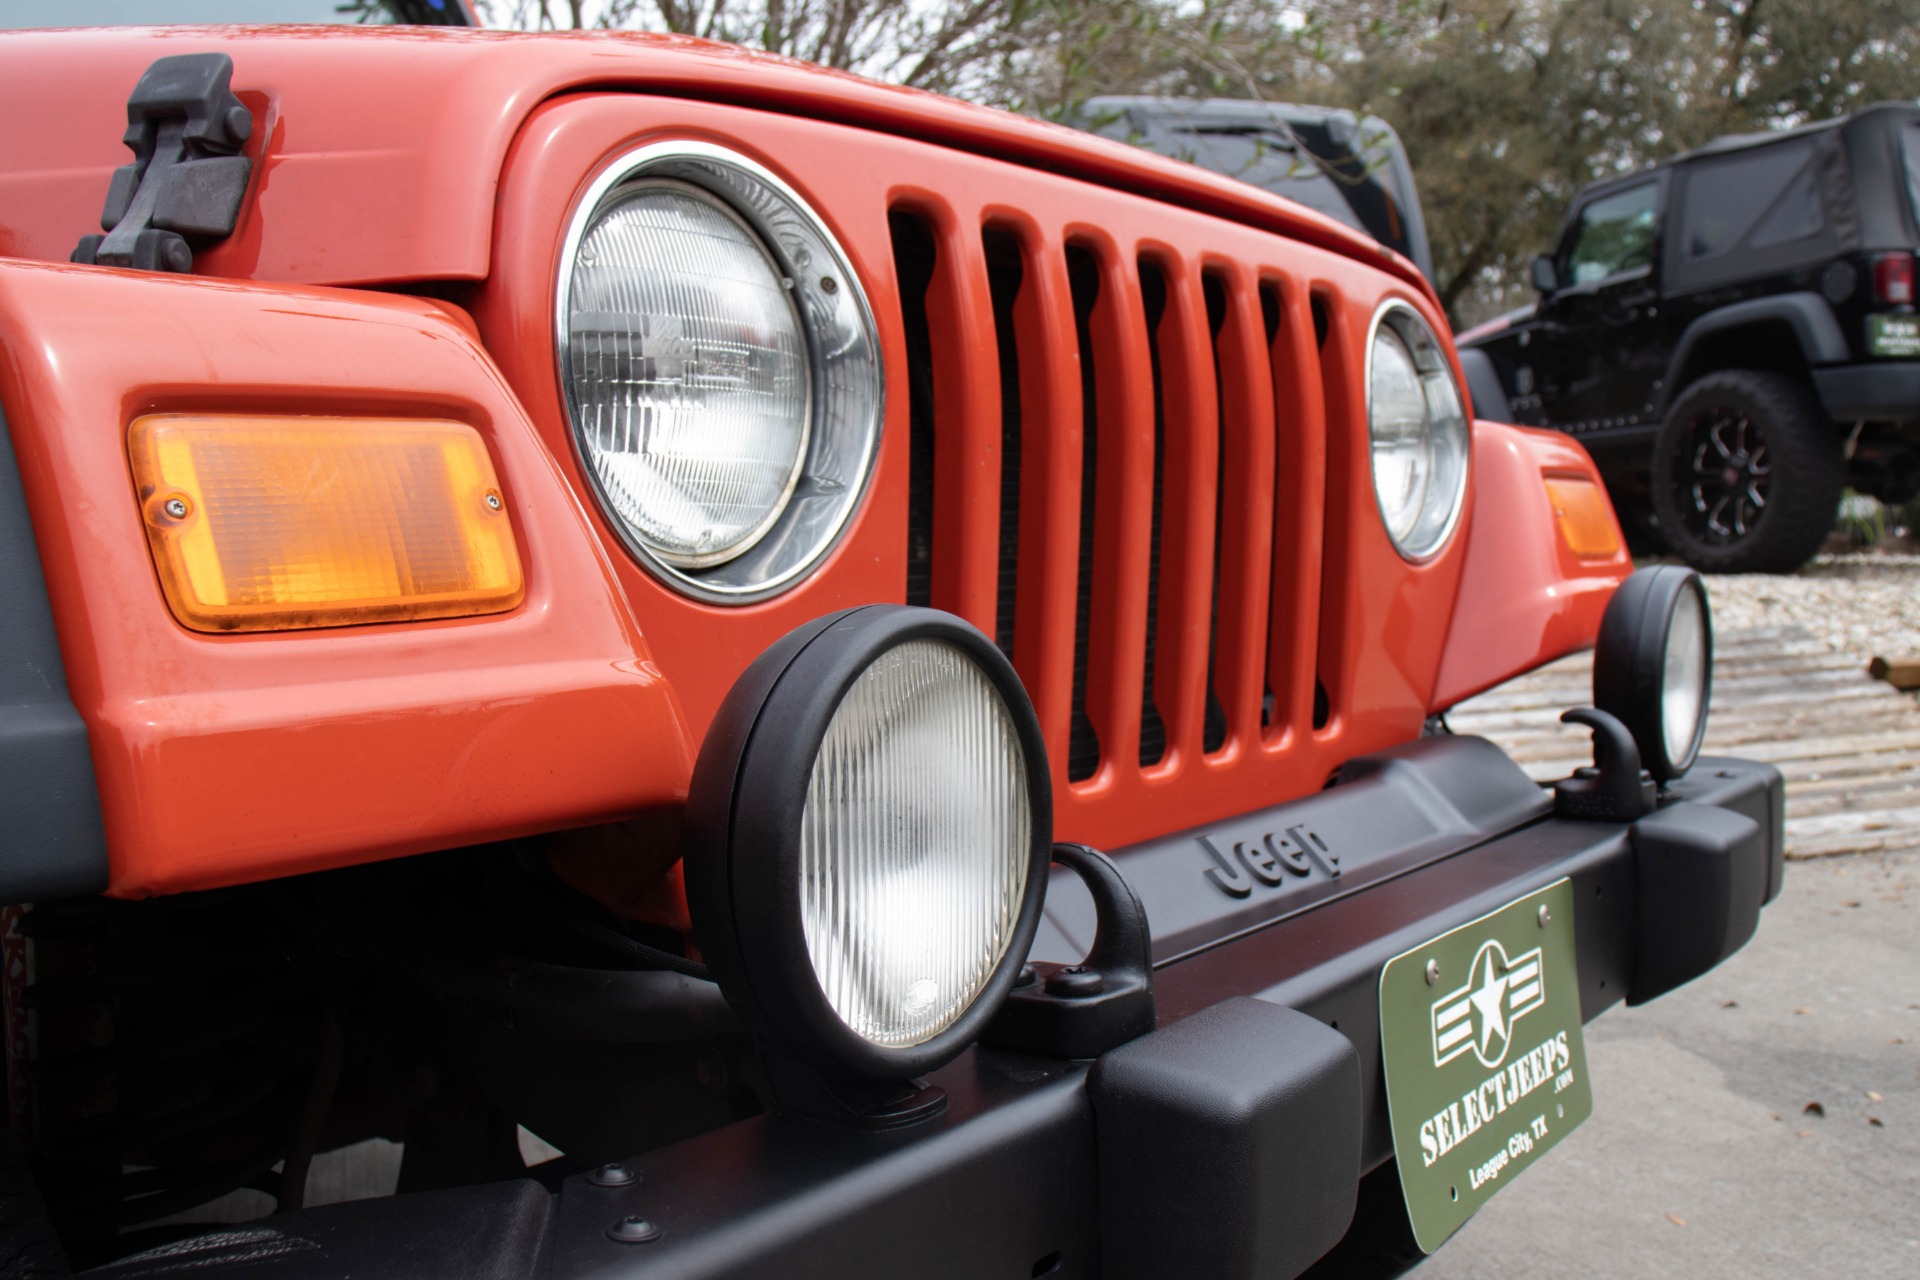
<point x="1848" y="745"/>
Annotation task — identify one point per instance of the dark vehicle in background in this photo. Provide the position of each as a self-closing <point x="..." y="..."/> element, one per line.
<point x="1732" y="335"/>
<point x="1351" y="168"/>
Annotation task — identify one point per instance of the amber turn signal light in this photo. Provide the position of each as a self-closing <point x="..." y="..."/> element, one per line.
<point x="278" y="523"/>
<point x="1586" y="522"/>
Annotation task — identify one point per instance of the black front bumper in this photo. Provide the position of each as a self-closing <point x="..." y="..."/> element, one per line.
<point x="1024" y="1175"/>
<point x="1008" y="1182"/>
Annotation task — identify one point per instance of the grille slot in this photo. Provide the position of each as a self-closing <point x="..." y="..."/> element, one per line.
<point x="914" y="259"/>
<point x="1332" y="373"/>
<point x="1153" y="727"/>
<point x="1246" y="533"/>
<point x="1005" y="274"/>
<point x="1272" y="718"/>
<point x="1083" y="744"/>
<point x="1214" y="735"/>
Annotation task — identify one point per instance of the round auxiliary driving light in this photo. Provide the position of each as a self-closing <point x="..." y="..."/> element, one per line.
<point x="1653" y="665"/>
<point x="868" y="833"/>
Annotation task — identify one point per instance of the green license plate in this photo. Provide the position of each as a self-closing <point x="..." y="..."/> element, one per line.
<point x="1893" y="335"/>
<point x="1485" y="1065"/>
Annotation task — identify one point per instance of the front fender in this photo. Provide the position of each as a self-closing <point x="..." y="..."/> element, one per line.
<point x="230" y="758"/>
<point x="1525" y="597"/>
<point x="1806" y="315"/>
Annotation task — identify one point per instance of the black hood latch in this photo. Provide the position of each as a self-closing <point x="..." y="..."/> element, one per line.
<point x="185" y="128"/>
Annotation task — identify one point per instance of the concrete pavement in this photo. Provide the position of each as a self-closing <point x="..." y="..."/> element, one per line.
<point x="1703" y="1159"/>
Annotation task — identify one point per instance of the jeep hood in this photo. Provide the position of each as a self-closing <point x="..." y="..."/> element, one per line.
<point x="377" y="151"/>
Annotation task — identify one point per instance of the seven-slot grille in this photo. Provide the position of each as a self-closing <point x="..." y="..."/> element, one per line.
<point x="1117" y="470"/>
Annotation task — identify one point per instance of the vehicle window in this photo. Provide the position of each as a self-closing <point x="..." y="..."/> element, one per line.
<point x="1910" y="146"/>
<point x="115" y="13"/>
<point x="1266" y="158"/>
<point x="1795" y="215"/>
<point x="1758" y="198"/>
<point x="1615" y="234"/>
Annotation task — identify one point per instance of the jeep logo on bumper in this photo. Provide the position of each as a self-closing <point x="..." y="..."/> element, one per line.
<point x="1275" y="858"/>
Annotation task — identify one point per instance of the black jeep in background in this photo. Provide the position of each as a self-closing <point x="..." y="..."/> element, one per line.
<point x="1732" y="335"/>
<point x="1352" y="168"/>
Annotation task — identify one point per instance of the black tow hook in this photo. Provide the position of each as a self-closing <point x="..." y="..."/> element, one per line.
<point x="1614" y="788"/>
<point x="1082" y="1010"/>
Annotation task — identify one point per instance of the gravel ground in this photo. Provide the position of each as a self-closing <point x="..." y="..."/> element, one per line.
<point x="1864" y="604"/>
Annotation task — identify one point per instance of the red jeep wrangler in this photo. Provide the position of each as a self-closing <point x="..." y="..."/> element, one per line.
<point x="866" y="669"/>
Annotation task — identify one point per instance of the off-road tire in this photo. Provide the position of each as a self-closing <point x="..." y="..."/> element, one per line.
<point x="1746" y="473"/>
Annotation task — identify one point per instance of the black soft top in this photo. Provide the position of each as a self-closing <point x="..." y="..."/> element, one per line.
<point x="1756" y="204"/>
<point x="1879" y="115"/>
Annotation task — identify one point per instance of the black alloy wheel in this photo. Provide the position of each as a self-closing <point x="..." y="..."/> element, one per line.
<point x="1747" y="473"/>
<point x="1731" y="474"/>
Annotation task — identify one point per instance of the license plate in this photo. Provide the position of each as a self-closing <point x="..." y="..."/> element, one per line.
<point x="1485" y="1065"/>
<point x="1893" y="335"/>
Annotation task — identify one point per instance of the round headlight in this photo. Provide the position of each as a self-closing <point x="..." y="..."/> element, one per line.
<point x="720" y="367"/>
<point x="688" y="368"/>
<point x="1417" y="427"/>
<point x="1653" y="665"/>
<point x="868" y="832"/>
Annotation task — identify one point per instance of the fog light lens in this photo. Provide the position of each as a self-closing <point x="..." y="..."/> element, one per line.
<point x="1653" y="666"/>
<point x="867" y="837"/>
<point x="263" y="523"/>
<point x="1683" y="690"/>
<point x="914" y="845"/>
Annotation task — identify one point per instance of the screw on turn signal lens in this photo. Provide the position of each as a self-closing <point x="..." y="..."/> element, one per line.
<point x="1584" y="519"/>
<point x="277" y="523"/>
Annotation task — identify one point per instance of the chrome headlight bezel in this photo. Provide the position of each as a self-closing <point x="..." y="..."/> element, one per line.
<point x="745" y="814"/>
<point x="1436" y="373"/>
<point x="848" y="382"/>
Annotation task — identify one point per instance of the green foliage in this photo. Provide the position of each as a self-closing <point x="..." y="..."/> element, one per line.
<point x="1862" y="521"/>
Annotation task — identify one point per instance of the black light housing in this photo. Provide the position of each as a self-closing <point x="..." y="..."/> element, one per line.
<point x="747" y="808"/>
<point x="1653" y="666"/>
